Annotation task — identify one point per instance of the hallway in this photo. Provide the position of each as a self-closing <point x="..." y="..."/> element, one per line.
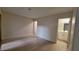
<point x="34" y="44"/>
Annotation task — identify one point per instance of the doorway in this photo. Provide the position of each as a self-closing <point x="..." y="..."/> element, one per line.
<point x="63" y="30"/>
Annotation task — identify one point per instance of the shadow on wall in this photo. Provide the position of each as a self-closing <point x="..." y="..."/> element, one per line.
<point x="47" y="28"/>
<point x="43" y="32"/>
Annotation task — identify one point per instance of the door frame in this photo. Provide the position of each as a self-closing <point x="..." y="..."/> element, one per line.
<point x="69" y="32"/>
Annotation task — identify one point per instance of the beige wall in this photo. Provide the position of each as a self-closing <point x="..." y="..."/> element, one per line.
<point x="75" y="30"/>
<point x="15" y="26"/>
<point x="71" y="30"/>
<point x="47" y="28"/>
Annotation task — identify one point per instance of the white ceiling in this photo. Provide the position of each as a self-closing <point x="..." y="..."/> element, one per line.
<point x="37" y="12"/>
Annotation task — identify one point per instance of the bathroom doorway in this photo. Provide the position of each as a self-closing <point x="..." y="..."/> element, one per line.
<point x="63" y="30"/>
